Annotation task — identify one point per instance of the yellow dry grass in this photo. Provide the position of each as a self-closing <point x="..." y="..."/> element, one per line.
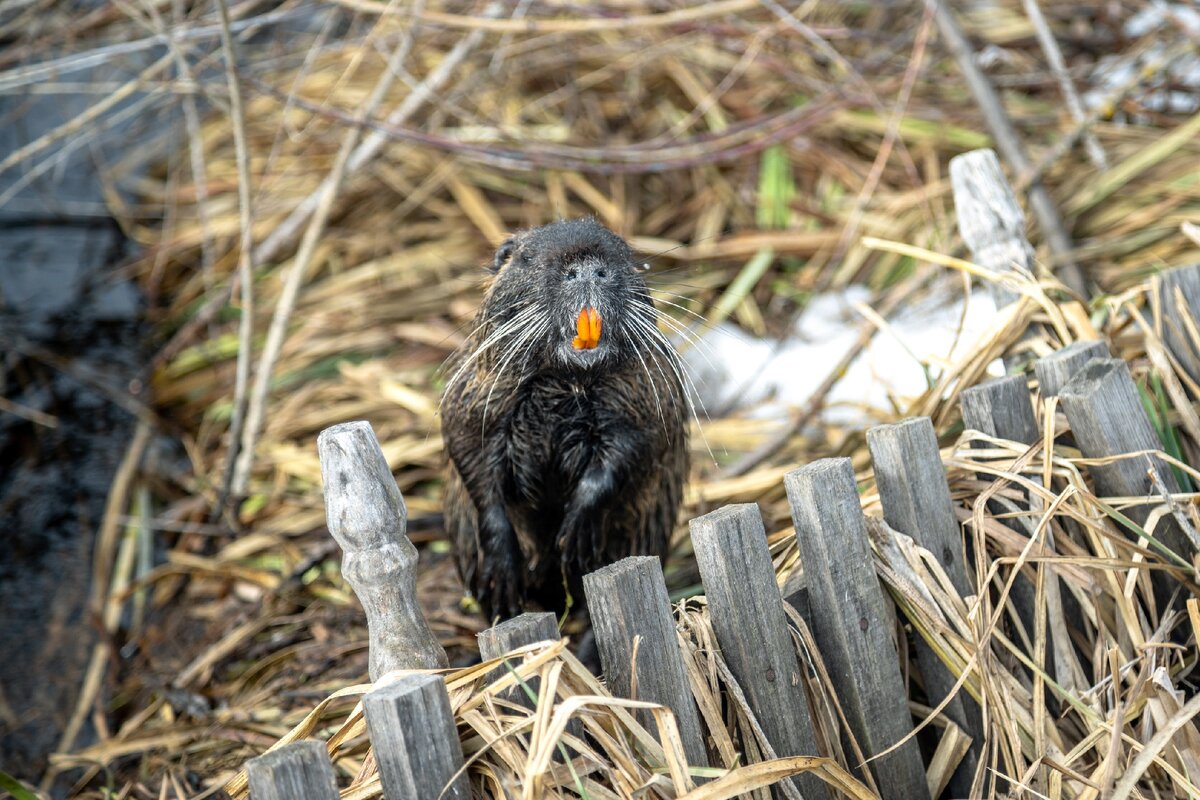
<point x="741" y="152"/>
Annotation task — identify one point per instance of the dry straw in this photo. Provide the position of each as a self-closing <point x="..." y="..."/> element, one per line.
<point x="755" y="155"/>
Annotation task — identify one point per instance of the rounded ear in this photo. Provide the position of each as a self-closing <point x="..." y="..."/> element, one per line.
<point x="503" y="254"/>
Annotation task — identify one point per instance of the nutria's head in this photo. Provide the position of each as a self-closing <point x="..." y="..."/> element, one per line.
<point x="570" y="295"/>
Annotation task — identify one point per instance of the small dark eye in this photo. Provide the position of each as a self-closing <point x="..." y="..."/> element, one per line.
<point x="601" y="273"/>
<point x="572" y="274"/>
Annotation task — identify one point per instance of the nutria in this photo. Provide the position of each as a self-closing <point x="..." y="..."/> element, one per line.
<point x="565" y="420"/>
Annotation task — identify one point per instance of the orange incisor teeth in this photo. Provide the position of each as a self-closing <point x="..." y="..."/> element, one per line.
<point x="587" y="329"/>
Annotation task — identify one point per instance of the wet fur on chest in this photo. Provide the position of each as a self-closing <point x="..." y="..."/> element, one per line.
<point x="558" y="429"/>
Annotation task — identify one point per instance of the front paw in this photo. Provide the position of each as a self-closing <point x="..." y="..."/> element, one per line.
<point x="502" y="578"/>
<point x="501" y="571"/>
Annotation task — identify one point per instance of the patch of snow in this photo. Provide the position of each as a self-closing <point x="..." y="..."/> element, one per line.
<point x="735" y="371"/>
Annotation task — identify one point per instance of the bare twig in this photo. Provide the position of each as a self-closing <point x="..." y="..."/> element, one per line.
<point x="245" y="275"/>
<point x="514" y="24"/>
<point x="733" y="143"/>
<point x="1059" y="68"/>
<point x="850" y="230"/>
<point x="1032" y="174"/>
<point x="24" y="76"/>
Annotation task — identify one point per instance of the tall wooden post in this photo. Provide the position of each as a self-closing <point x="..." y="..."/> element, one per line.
<point x="416" y="743"/>
<point x="299" y="769"/>
<point x="1055" y="370"/>
<point x="1107" y="419"/>
<point x="520" y="631"/>
<point x="367" y="516"/>
<point x="1177" y="307"/>
<point x="1002" y="408"/>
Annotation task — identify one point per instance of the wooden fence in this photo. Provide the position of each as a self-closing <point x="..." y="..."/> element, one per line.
<point x="841" y="599"/>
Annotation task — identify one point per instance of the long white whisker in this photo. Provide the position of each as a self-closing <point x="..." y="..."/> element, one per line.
<point x="687" y="385"/>
<point x="676" y="364"/>
<point x="649" y="378"/>
<point x="522" y="345"/>
<point x="504" y="331"/>
<point x="653" y="293"/>
<point x="702" y="347"/>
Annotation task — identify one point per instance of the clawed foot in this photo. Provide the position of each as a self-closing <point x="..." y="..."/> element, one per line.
<point x="502" y="573"/>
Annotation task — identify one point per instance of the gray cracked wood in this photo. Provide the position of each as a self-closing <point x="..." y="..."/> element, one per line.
<point x="299" y="769"/>
<point x="367" y="516"/>
<point x="524" y="629"/>
<point x="630" y="609"/>
<point x="415" y="740"/>
<point x="914" y="493"/>
<point x="751" y="628"/>
<point x="1055" y="370"/>
<point x="1178" y="315"/>
<point x="990" y="218"/>
<point x="916" y="501"/>
<point x="851" y="624"/>
<point x="1003" y="408"/>
<point x="1107" y="419"/>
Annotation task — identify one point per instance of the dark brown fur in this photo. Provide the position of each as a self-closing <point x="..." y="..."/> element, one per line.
<point x="561" y="461"/>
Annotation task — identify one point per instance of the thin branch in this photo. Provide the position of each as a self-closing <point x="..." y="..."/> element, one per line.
<point x="24" y="76"/>
<point x="245" y="273"/>
<point x="1059" y="68"/>
<point x="372" y="143"/>
<point x="1059" y="149"/>
<point x="733" y="143"/>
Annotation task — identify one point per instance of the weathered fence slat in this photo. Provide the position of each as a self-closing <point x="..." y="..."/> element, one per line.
<point x="914" y="493"/>
<point x="751" y="628"/>
<point x="634" y="627"/>
<point x="1180" y="327"/>
<point x="415" y="741"/>
<point x="522" y="630"/>
<point x="299" y="769"/>
<point x="1003" y="408"/>
<point x="851" y="624"/>
<point x="367" y="516"/>
<point x="1107" y="419"/>
<point x="525" y="629"/>
<point x="1054" y="370"/>
<point x="990" y="218"/>
<point x="916" y="501"/>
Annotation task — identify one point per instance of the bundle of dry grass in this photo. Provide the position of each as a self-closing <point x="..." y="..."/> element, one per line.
<point x="320" y="254"/>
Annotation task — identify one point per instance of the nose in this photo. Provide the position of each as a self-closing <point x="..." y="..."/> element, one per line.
<point x="588" y="271"/>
